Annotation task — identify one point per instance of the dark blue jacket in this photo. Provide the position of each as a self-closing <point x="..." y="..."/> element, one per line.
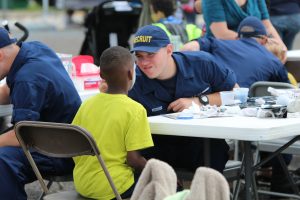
<point x="40" y="87"/>
<point x="250" y="61"/>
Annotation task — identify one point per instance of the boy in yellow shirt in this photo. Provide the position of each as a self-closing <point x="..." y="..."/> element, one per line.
<point x="119" y="126"/>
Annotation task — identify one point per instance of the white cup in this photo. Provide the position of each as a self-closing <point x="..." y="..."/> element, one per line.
<point x="241" y="94"/>
<point x="227" y="97"/>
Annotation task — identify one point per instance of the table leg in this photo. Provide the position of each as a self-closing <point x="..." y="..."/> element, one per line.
<point x="250" y="185"/>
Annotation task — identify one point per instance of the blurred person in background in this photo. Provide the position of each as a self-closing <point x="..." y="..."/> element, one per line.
<point x="285" y="17"/>
<point x="145" y="16"/>
<point x="198" y="6"/>
<point x="222" y="17"/>
<point x="162" y="13"/>
<point x="241" y="55"/>
<point x="188" y="11"/>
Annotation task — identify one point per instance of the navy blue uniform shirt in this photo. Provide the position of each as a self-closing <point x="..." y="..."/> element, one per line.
<point x="40" y="87"/>
<point x="249" y="60"/>
<point x="196" y="72"/>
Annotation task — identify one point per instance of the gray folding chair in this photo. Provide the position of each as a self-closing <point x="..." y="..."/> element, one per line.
<point x="58" y="179"/>
<point x="58" y="140"/>
<point x="259" y="89"/>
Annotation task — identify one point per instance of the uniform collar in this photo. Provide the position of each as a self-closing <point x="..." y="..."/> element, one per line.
<point x="149" y="84"/>
<point x="249" y="40"/>
<point x="153" y="86"/>
<point x="17" y="65"/>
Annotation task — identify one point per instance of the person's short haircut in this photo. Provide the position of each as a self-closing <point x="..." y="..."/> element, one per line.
<point x="114" y="61"/>
<point x="168" y="7"/>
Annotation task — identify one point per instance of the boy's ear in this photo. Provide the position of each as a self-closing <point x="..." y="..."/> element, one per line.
<point x="101" y="75"/>
<point x="130" y="74"/>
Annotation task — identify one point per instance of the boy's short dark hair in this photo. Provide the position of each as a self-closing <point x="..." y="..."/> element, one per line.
<point x="168" y="7"/>
<point x="114" y="61"/>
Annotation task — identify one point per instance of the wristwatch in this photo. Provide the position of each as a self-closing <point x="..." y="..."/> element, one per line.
<point x="203" y="99"/>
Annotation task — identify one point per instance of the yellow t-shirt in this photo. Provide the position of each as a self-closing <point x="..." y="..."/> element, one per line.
<point x="118" y="124"/>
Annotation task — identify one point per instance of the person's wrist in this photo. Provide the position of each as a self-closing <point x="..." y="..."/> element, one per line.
<point x="202" y="99"/>
<point x="195" y="99"/>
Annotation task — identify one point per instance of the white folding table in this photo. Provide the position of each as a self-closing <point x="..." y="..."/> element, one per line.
<point x="293" y="55"/>
<point x="245" y="129"/>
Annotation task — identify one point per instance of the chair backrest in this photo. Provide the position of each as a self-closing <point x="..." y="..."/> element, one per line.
<point x="58" y="140"/>
<point x="55" y="139"/>
<point x="260" y="88"/>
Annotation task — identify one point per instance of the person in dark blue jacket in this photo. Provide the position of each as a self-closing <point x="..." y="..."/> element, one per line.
<point x="247" y="56"/>
<point x="169" y="82"/>
<point x="40" y="89"/>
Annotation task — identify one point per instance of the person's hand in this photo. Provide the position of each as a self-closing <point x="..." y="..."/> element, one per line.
<point x="277" y="49"/>
<point x="180" y="104"/>
<point x="191" y="46"/>
<point x="103" y="86"/>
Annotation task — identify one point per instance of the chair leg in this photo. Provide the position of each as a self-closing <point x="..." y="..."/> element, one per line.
<point x="236" y="190"/>
<point x="60" y="185"/>
<point x="237" y="186"/>
<point x="290" y="179"/>
<point x="43" y="193"/>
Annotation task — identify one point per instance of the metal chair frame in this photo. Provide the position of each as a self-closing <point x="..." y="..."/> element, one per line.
<point x="58" y="140"/>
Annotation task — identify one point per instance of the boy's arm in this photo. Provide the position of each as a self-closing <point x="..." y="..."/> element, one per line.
<point x="135" y="160"/>
<point x="9" y="139"/>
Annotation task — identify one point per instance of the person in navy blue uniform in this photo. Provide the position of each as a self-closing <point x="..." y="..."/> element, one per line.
<point x="40" y="89"/>
<point x="168" y="82"/>
<point x="247" y="56"/>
